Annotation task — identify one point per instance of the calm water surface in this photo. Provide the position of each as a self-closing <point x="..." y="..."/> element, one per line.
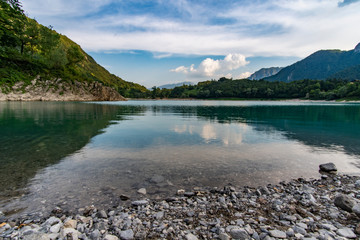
<point x="75" y="154"/>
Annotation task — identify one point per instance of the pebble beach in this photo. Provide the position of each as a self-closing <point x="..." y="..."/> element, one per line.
<point x="325" y="208"/>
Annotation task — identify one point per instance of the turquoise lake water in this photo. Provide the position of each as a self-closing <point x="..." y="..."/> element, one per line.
<point x="76" y="154"/>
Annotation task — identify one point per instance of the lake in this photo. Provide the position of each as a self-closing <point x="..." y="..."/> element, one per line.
<point x="73" y="154"/>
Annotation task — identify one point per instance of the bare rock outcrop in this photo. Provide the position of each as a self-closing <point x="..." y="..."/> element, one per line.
<point x="59" y="90"/>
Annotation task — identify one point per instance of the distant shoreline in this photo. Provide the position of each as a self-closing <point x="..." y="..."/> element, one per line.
<point x="241" y="99"/>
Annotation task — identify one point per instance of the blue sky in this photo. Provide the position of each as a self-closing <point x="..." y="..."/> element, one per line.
<point x="156" y="42"/>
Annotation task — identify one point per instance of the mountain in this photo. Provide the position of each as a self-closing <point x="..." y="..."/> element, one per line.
<point x="173" y="85"/>
<point x="265" y="72"/>
<point x="37" y="63"/>
<point x="321" y="65"/>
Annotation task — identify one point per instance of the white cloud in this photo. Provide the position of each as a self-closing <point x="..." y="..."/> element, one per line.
<point x="233" y="61"/>
<point x="209" y="67"/>
<point x="162" y="55"/>
<point x="181" y="69"/>
<point x="244" y="75"/>
<point x="228" y="76"/>
<point x="265" y="28"/>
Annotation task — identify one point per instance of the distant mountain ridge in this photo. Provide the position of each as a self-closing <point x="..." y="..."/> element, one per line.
<point x="265" y="72"/>
<point x="173" y="85"/>
<point x="321" y="65"/>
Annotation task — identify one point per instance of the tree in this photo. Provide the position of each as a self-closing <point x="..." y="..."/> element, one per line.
<point x="74" y="55"/>
<point x="11" y="23"/>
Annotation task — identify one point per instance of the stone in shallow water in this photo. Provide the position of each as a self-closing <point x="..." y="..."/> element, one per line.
<point x="157" y="179"/>
<point x="328" y="167"/>
<point x="102" y="214"/>
<point x="189" y="194"/>
<point x="344" y="202"/>
<point x="124" y="197"/>
<point x="346" y="232"/>
<point x="142" y="191"/>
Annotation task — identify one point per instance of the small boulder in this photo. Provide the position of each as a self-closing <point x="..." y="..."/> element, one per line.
<point x="111" y="237"/>
<point x="70" y="223"/>
<point x="277" y="234"/>
<point x="344" y="202"/>
<point x="190" y="236"/>
<point x="328" y="167"/>
<point x="142" y="191"/>
<point x="69" y="233"/>
<point x="346" y="232"/>
<point x="224" y="236"/>
<point x="101" y="214"/>
<point x="127" y="234"/>
<point x="124" y="197"/>
<point x="356" y="209"/>
<point x="239" y="233"/>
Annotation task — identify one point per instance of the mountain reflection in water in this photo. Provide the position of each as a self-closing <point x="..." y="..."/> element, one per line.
<point x="76" y="154"/>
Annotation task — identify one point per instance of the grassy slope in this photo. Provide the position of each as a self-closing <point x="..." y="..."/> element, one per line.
<point x="16" y="66"/>
<point x="89" y="70"/>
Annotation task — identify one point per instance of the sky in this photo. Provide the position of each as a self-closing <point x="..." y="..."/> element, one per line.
<point x="157" y="42"/>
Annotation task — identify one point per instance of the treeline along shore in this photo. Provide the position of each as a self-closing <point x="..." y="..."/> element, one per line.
<point x="224" y="88"/>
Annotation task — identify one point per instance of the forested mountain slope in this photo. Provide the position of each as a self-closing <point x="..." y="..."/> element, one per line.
<point x="31" y="51"/>
<point x="321" y="65"/>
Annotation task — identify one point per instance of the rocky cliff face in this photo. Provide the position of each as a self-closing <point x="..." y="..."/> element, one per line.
<point x="357" y="48"/>
<point x="59" y="90"/>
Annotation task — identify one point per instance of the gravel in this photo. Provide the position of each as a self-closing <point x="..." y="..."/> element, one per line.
<point x="299" y="209"/>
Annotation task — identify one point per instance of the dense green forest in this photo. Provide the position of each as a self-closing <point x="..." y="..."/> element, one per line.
<point x="260" y="89"/>
<point x="322" y="65"/>
<point x="29" y="49"/>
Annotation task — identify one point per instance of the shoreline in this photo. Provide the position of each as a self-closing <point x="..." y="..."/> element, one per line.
<point x="260" y="100"/>
<point x="325" y="208"/>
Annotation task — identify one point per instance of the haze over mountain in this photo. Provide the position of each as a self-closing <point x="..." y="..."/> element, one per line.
<point x="265" y="72"/>
<point x="173" y="85"/>
<point x="321" y="65"/>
